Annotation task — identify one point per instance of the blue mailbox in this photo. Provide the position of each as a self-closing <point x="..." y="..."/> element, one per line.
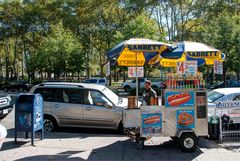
<point x="29" y="115"/>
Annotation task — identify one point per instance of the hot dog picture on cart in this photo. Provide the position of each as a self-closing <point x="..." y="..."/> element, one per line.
<point x="180" y="99"/>
<point x="151" y="123"/>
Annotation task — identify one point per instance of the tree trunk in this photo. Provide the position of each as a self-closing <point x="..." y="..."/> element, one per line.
<point x="7" y="51"/>
<point x="115" y="74"/>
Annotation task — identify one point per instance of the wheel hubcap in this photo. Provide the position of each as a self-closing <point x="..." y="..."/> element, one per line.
<point x="48" y="125"/>
<point x="188" y="142"/>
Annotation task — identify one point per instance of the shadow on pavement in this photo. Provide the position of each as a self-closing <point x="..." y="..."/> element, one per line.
<point x="123" y="150"/>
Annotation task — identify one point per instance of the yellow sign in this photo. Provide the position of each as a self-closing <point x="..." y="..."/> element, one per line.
<point x="172" y="62"/>
<point x="129" y="58"/>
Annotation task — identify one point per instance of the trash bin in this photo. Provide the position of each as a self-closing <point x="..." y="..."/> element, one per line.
<point x="3" y="134"/>
<point x="29" y="115"/>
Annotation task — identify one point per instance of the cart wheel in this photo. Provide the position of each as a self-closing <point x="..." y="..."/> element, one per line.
<point x="188" y="142"/>
<point x="140" y="143"/>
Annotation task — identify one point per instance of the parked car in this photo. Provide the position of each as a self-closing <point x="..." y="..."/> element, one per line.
<point x="6" y="106"/>
<point x="229" y="84"/>
<point x="17" y="85"/>
<point x="131" y="84"/>
<point x="102" y="81"/>
<point x="215" y="96"/>
<point x="80" y="105"/>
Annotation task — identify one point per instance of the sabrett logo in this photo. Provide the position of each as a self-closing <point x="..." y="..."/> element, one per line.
<point x="144" y="47"/>
<point x="203" y="54"/>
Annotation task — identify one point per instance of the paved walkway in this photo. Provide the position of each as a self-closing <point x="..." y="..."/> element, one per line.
<point x="108" y="147"/>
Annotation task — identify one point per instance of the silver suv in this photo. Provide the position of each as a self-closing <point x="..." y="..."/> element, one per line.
<point x="80" y="105"/>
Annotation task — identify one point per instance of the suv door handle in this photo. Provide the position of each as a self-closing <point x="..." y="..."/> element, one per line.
<point x="56" y="105"/>
<point x="88" y="108"/>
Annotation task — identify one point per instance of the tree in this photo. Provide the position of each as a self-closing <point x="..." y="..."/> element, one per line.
<point x="59" y="53"/>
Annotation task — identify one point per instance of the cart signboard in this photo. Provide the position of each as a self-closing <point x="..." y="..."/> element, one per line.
<point x="180" y="98"/>
<point x="218" y="67"/>
<point x="132" y="72"/>
<point x="185" y="119"/>
<point x="187" y="68"/>
<point x="151" y="124"/>
<point x="201" y="104"/>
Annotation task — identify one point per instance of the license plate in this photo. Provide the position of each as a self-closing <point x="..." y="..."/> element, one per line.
<point x="5" y="111"/>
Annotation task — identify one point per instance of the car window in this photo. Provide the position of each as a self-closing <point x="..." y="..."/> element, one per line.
<point x="93" y="81"/>
<point x="46" y="93"/>
<point x="102" y="81"/>
<point x="223" y="99"/>
<point x="236" y="98"/>
<point x="213" y="96"/>
<point x="75" y="96"/>
<point x="97" y="98"/>
<point x="58" y="95"/>
<point x="142" y="80"/>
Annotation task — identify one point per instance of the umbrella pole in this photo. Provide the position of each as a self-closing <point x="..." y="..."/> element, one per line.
<point x="136" y="80"/>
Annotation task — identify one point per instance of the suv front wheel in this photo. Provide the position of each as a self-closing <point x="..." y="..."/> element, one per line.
<point x="49" y="124"/>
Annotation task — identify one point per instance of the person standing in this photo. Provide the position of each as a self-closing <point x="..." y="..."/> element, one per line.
<point x="149" y="95"/>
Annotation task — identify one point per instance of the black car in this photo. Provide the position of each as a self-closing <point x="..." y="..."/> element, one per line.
<point x="6" y="106"/>
<point x="17" y="85"/>
<point x="229" y="83"/>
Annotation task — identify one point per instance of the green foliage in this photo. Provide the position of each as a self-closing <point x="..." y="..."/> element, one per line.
<point x="66" y="36"/>
<point x="140" y="27"/>
<point x="58" y="53"/>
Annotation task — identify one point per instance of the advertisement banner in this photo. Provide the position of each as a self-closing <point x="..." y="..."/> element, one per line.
<point x="218" y="67"/>
<point x="187" y="67"/>
<point x="185" y="119"/>
<point x="191" y="68"/>
<point x="132" y="72"/>
<point x="151" y="124"/>
<point x="181" y="67"/>
<point x="179" y="98"/>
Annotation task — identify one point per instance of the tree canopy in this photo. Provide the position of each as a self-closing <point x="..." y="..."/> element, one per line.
<point x="69" y="38"/>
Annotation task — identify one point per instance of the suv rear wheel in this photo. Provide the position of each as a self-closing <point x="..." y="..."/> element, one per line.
<point x="49" y="124"/>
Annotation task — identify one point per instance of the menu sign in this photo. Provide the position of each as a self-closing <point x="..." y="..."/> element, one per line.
<point x="201" y="98"/>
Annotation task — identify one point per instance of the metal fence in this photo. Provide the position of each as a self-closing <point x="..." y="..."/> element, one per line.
<point x="229" y="124"/>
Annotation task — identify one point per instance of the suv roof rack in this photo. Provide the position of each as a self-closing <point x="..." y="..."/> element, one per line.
<point x="43" y="84"/>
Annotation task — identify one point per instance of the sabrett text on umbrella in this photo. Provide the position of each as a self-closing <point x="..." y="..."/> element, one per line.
<point x="203" y="54"/>
<point x="144" y="47"/>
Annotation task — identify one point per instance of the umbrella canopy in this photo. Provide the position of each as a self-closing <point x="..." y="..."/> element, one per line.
<point x="187" y="50"/>
<point x="137" y="52"/>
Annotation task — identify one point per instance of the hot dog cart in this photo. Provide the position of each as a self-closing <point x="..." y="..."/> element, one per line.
<point x="183" y="112"/>
<point x="182" y="116"/>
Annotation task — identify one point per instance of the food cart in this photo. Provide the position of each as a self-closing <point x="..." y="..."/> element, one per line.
<point x="183" y="116"/>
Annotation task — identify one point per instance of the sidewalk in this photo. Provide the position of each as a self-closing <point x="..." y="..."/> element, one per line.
<point x="107" y="147"/>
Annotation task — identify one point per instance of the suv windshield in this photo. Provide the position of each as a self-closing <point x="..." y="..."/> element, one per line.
<point x="111" y="95"/>
<point x="213" y="96"/>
